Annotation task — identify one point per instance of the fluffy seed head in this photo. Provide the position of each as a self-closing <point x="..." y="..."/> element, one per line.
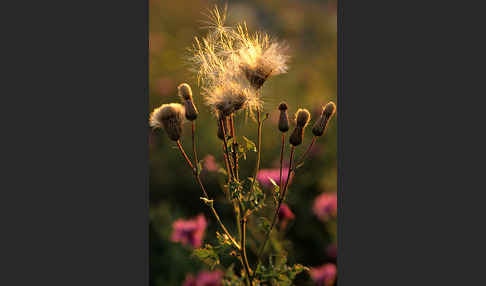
<point x="170" y="117"/>
<point x="302" y="117"/>
<point x="231" y="96"/>
<point x="185" y="91"/>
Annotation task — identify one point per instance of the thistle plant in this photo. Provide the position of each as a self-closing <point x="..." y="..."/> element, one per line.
<point x="232" y="66"/>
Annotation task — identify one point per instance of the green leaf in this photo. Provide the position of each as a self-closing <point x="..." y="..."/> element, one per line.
<point x="199" y="167"/>
<point x="249" y="145"/>
<point x="235" y="189"/>
<point x="207" y="255"/>
<point x="264" y="224"/>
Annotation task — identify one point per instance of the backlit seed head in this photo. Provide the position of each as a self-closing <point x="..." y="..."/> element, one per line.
<point x="321" y="123"/>
<point x="302" y="117"/>
<point x="185" y="94"/>
<point x="283" y="121"/>
<point x="185" y="91"/>
<point x="170" y="117"/>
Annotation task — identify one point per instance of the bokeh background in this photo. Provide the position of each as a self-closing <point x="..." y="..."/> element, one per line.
<point x="310" y="29"/>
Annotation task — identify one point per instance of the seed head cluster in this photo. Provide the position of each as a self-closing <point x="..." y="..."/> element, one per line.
<point x="232" y="64"/>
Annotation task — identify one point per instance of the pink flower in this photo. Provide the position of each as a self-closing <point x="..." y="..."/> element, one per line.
<point x="331" y="251"/>
<point x="284" y="215"/>
<point x="190" y="281"/>
<point x="210" y="163"/>
<point x="264" y="175"/>
<point x="205" y="278"/>
<point x="325" y="206"/>
<point x="324" y="275"/>
<point x="189" y="232"/>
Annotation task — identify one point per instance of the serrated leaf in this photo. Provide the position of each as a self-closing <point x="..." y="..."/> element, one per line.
<point x="264" y="224"/>
<point x="207" y="255"/>
<point x="249" y="145"/>
<point x="235" y="189"/>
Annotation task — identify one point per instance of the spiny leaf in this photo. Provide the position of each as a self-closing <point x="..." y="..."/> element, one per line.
<point x="207" y="255"/>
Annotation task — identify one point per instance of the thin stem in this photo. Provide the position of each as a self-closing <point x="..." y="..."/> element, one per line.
<point x="196" y="160"/>
<point x="281" y="159"/>
<point x="243" y="251"/>
<point x="226" y="147"/>
<point x="198" y="179"/>
<point x="259" y="145"/>
<point x="304" y="156"/>
<point x="281" y="199"/>
<point x="234" y="147"/>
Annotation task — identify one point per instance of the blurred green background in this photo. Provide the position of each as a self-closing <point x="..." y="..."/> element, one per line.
<point x="310" y="29"/>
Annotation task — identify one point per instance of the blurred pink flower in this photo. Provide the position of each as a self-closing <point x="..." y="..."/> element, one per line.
<point x="189" y="232"/>
<point x="284" y="215"/>
<point x="331" y="250"/>
<point x="190" y="281"/>
<point x="325" y="206"/>
<point x="264" y="175"/>
<point x="324" y="275"/>
<point x="210" y="163"/>
<point x="205" y="278"/>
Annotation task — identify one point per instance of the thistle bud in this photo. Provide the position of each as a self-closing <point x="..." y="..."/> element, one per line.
<point x="185" y="93"/>
<point x="170" y="117"/>
<point x="283" y="122"/>
<point x="321" y="124"/>
<point x="225" y="126"/>
<point x="302" y="118"/>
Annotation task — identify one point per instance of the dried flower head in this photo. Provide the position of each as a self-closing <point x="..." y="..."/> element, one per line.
<point x="231" y="96"/>
<point x="185" y="94"/>
<point x="185" y="91"/>
<point x="259" y="57"/>
<point x="170" y="117"/>
<point x="321" y="123"/>
<point x="231" y="64"/>
<point x="283" y="121"/>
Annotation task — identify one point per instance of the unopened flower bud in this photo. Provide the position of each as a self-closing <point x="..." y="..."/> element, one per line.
<point x="185" y="93"/>
<point x="302" y="118"/>
<point x="321" y="123"/>
<point x="170" y="117"/>
<point x="283" y="122"/>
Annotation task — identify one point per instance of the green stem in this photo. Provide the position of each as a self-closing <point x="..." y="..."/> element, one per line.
<point x="259" y="142"/>
<point x="243" y="251"/>
<point x="198" y="179"/>
<point x="275" y="216"/>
